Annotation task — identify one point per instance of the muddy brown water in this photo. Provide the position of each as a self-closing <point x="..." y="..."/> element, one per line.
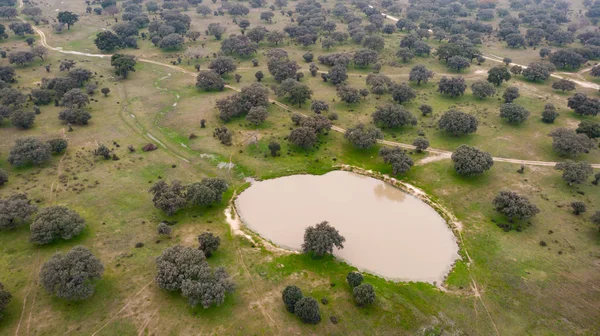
<point x="388" y="232"/>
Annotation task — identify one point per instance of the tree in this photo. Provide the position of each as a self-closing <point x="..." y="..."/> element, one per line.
<point x="514" y="206"/>
<point x="171" y="42"/>
<point x="257" y="34"/>
<point x="257" y="115"/>
<point x="421" y="144"/>
<point x="15" y="210"/>
<point x="307" y="309"/>
<point x="348" y="94"/>
<point x="21" y="28"/>
<point x="216" y="30"/>
<point x="123" y="64"/>
<point x="567" y="142"/>
<point x="209" y="80"/>
<point x="515" y="40"/>
<point x="75" y="116"/>
<point x="169" y="198"/>
<point x="564" y="85"/>
<point x="74" y="98"/>
<point x="5" y="298"/>
<point x="58" y="145"/>
<point x="297" y="92"/>
<point x="364" y="294"/>
<point x="482" y="89"/>
<point x="70" y="276"/>
<point x="10" y="96"/>
<point x="39" y="51"/>
<point x="224" y="135"/>
<point x="470" y="161"/>
<point x="29" y="151"/>
<point x="402" y="93"/>
<point x="575" y="172"/>
<point x="319" y="106"/>
<point x="3" y="178"/>
<point x="163" y="229"/>
<point x="275" y="36"/>
<point x="578" y="208"/>
<point x="259" y="75"/>
<point x="21" y="58"/>
<point x="291" y="295"/>
<point x="105" y="91"/>
<point x="393" y="116"/>
<point x="497" y="75"/>
<point x="419" y="73"/>
<point x="274" y="148"/>
<point x="513" y="113"/>
<point x="589" y="128"/>
<point x="222" y="65"/>
<point x="425" y="109"/>
<point x="365" y="57"/>
<point x="56" y="222"/>
<point x="267" y="16"/>
<point x="583" y="105"/>
<point x="374" y="42"/>
<point x="537" y="72"/>
<point x="337" y="74"/>
<point x="507" y="61"/>
<point x="565" y="58"/>
<point x="397" y="157"/>
<point x="354" y="279"/>
<point x="458" y="63"/>
<point x="321" y="239"/>
<point x="107" y="41"/>
<point x="510" y="94"/>
<point x="209" y="243"/>
<point x="68" y="18"/>
<point x="22" y="119"/>
<point x="363" y="137"/>
<point x="405" y="54"/>
<point x="203" y="10"/>
<point x="177" y="264"/>
<point x="238" y="9"/>
<point x="549" y="114"/>
<point x="206" y="192"/>
<point x="453" y="86"/>
<point x="304" y="137"/>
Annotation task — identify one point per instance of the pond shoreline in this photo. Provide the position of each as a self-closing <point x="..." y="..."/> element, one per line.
<point x="234" y="214"/>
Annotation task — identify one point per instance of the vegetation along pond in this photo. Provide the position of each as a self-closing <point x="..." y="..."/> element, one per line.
<point x="388" y="232"/>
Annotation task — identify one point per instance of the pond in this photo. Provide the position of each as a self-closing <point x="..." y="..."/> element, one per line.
<point x="388" y="232"/>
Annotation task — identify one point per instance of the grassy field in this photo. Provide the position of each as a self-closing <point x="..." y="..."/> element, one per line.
<point x="514" y="285"/>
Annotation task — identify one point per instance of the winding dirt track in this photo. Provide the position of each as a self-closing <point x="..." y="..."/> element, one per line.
<point x="441" y="152"/>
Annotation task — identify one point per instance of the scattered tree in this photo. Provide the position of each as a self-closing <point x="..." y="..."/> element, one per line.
<point x="209" y="243"/>
<point x="354" y="279"/>
<point x="321" y="238"/>
<point x="567" y="142"/>
<point x="29" y="150"/>
<point x="393" y="116"/>
<point x="363" y="137"/>
<point x="482" y="89"/>
<point x="578" y="208"/>
<point x="70" y="276"/>
<point x="470" y="161"/>
<point x="54" y="223"/>
<point x="458" y="123"/>
<point x="497" y="75"/>
<point x="575" y="172"/>
<point x="15" y="210"/>
<point x="513" y="113"/>
<point x="364" y="294"/>
<point x="419" y="73"/>
<point x="549" y="114"/>
<point x="397" y="158"/>
<point x="514" y="206"/>
<point x="307" y="309"/>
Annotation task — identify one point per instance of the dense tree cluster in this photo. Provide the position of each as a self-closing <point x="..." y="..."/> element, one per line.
<point x="171" y="198"/>
<point x="363" y="137"/>
<point x="400" y="161"/>
<point x="567" y="142"/>
<point x="185" y="269"/>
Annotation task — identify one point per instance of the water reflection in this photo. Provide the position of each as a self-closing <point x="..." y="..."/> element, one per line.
<point x="385" y="190"/>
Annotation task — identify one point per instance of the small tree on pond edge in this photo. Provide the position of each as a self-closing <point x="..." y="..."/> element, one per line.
<point x="364" y="294"/>
<point x="354" y="279"/>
